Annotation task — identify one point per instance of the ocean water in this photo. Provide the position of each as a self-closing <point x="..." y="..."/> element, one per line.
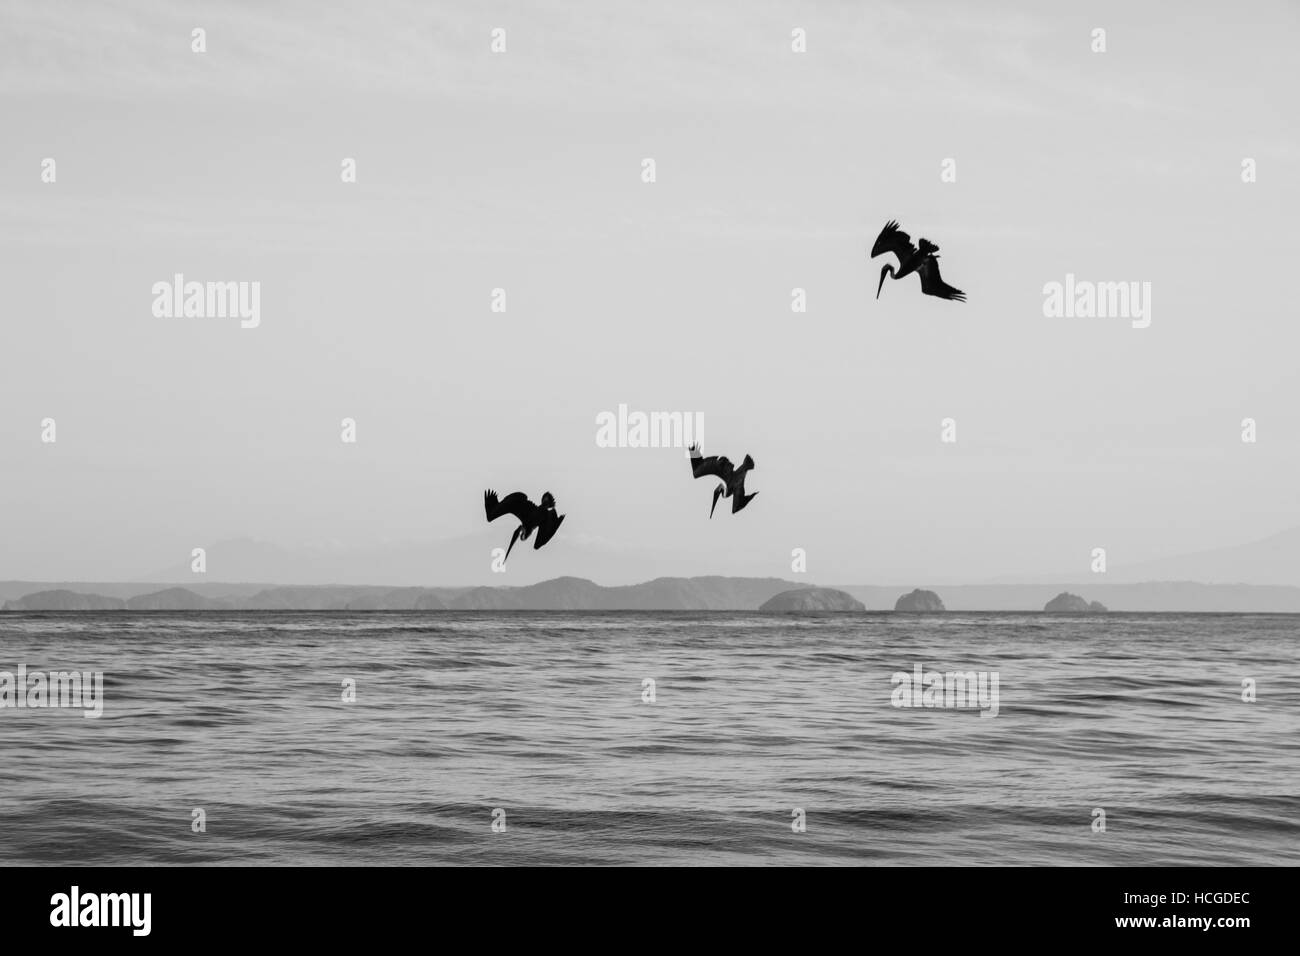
<point x="541" y="716"/>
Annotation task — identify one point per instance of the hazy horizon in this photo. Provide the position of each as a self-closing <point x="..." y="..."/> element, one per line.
<point x="1258" y="564"/>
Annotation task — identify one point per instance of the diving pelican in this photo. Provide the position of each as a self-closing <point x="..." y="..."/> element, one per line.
<point x="733" y="478"/>
<point x="924" y="262"/>
<point x="540" y="518"/>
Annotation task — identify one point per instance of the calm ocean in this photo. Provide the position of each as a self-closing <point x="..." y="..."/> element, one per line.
<point x="541" y="715"/>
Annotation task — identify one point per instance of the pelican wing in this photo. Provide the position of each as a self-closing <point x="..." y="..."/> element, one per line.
<point x="549" y="524"/>
<point x="932" y="283"/>
<point x="516" y="504"/>
<point x="717" y="465"/>
<point x="892" y="239"/>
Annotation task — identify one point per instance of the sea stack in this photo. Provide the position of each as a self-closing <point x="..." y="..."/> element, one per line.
<point x="925" y="602"/>
<point x="1067" y="603"/>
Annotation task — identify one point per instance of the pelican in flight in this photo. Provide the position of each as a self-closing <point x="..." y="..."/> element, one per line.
<point x="733" y="478"/>
<point x="540" y="518"/>
<point x="924" y="262"/>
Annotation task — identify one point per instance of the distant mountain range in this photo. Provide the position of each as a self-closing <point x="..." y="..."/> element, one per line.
<point x="467" y="561"/>
<point x="558" y="594"/>
<point x="1274" y="560"/>
<point x="1271" y="560"/>
<point x="1261" y="576"/>
<point x="661" y="594"/>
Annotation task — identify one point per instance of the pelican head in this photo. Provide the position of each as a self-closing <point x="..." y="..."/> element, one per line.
<point x="717" y="493"/>
<point x="888" y="270"/>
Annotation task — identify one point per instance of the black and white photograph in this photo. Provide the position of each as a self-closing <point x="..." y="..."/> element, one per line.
<point x="598" y="434"/>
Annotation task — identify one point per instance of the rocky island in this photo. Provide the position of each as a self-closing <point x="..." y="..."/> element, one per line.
<point x="1067" y="603"/>
<point x="811" y="600"/>
<point x="920" y="601"/>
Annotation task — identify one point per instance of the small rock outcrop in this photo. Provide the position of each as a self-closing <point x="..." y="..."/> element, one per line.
<point x="1067" y="603"/>
<point x="919" y="600"/>
<point x="807" y="600"/>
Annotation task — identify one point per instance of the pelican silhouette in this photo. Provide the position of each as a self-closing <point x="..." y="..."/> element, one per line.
<point x="540" y="518"/>
<point x="720" y="466"/>
<point x="924" y="262"/>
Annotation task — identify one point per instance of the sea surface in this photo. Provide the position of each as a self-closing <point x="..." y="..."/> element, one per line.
<point x="537" y="720"/>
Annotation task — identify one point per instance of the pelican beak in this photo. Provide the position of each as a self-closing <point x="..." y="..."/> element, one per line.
<point x="717" y="493"/>
<point x="513" y="539"/>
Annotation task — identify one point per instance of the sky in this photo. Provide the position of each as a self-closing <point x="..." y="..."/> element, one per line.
<point x="522" y="170"/>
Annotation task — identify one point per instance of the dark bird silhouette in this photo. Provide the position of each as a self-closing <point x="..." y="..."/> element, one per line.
<point x="924" y="262"/>
<point x="540" y="518"/>
<point x="733" y="478"/>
